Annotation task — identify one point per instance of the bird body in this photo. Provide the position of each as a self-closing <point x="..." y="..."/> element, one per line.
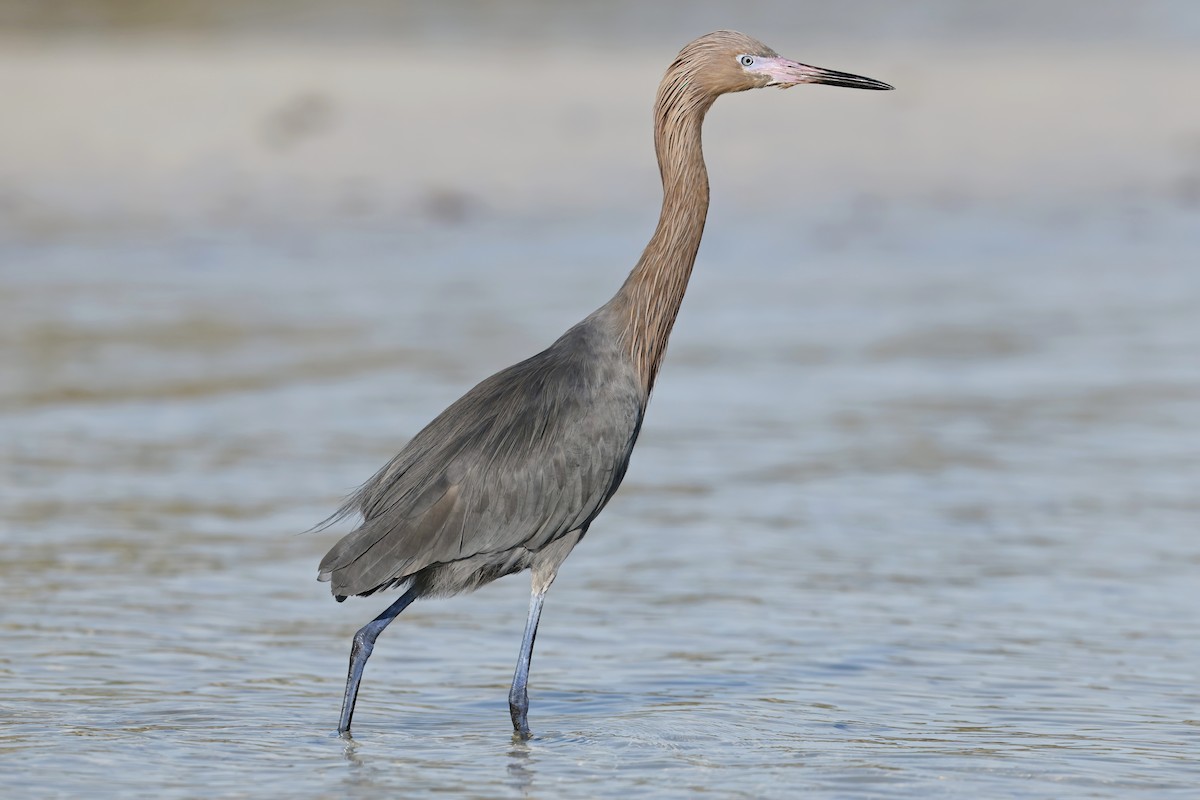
<point x="511" y="475"/>
<point x="527" y="457"/>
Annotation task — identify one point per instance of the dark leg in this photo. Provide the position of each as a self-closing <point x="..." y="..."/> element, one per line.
<point x="518" y="696"/>
<point x="360" y="651"/>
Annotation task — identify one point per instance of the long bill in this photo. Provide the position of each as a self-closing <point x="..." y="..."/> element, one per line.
<point x="785" y="73"/>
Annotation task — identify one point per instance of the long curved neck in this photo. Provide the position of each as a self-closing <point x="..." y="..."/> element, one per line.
<point x="650" y="298"/>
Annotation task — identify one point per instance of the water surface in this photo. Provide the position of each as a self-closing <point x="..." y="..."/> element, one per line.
<point x="913" y="514"/>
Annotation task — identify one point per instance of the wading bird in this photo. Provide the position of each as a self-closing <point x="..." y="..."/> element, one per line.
<point x="511" y="475"/>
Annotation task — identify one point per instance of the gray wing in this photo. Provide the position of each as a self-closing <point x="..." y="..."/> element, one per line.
<point x="528" y="455"/>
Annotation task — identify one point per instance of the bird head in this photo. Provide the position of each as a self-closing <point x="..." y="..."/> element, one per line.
<point x="728" y="61"/>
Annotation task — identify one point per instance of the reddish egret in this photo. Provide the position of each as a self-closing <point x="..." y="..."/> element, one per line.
<point x="511" y="475"/>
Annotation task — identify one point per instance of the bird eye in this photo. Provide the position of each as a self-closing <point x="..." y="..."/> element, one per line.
<point x="747" y="61"/>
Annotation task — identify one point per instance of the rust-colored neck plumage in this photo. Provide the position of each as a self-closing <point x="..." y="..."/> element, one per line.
<point x="650" y="298"/>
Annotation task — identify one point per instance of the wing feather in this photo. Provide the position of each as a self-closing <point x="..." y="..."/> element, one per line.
<point x="527" y="456"/>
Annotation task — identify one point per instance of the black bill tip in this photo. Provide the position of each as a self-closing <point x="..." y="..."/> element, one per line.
<point x="832" y="77"/>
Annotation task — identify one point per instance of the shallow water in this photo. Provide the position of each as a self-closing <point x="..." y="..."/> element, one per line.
<point x="897" y="523"/>
<point x="914" y="511"/>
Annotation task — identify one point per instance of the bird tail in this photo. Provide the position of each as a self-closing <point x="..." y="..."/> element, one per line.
<point x="349" y="507"/>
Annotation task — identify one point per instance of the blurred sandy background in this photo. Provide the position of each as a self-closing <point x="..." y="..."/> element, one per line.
<point x="131" y="118"/>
